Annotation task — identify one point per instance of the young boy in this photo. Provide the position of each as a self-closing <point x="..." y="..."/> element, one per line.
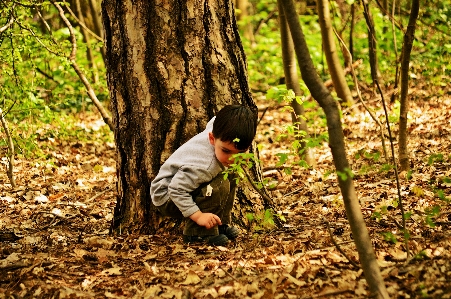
<point x="191" y="185"/>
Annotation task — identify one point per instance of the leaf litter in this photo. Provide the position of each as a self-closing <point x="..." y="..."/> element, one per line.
<point x="55" y="242"/>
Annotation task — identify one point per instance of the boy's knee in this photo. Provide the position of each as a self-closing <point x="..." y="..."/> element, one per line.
<point x="213" y="196"/>
<point x="170" y="209"/>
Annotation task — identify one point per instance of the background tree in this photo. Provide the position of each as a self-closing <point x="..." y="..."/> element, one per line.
<point x="292" y="82"/>
<point x="336" y="143"/>
<point x="330" y="49"/>
<point x="372" y="41"/>
<point x="242" y="16"/>
<point x="171" y="66"/>
<point x="405" y="61"/>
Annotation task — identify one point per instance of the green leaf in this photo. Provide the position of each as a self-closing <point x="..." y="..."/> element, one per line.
<point x="407" y="215"/>
<point x="429" y="221"/>
<point x="435" y="158"/>
<point x="282" y="158"/>
<point x="440" y="194"/>
<point x="287" y="170"/>
<point x="376" y="215"/>
<point x="389" y="237"/>
<point x="250" y="216"/>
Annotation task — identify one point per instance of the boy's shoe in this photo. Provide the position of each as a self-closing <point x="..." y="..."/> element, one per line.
<point x="219" y="240"/>
<point x="231" y="232"/>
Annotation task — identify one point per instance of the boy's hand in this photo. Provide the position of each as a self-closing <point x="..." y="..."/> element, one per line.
<point x="208" y="220"/>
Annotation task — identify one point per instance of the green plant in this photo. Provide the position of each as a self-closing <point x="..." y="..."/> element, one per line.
<point x="435" y="158"/>
<point x="242" y="162"/>
<point x="431" y="213"/>
<point x="314" y="117"/>
<point x="264" y="220"/>
<point x="38" y="87"/>
<point x="389" y="237"/>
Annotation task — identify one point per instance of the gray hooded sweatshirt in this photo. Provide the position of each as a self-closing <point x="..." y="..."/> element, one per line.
<point x="191" y="165"/>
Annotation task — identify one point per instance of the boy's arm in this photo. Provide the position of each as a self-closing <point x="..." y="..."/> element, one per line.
<point x="185" y="181"/>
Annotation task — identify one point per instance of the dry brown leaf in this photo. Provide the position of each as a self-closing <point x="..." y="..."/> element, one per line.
<point x="191" y="278"/>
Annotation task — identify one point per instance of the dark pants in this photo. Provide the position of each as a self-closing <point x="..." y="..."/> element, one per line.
<point x="220" y="203"/>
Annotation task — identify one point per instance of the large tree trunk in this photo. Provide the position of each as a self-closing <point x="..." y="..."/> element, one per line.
<point x="171" y="66"/>
<point x="336" y="142"/>
<point x="404" y="101"/>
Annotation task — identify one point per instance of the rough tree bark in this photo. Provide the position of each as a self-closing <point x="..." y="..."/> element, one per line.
<point x="330" y="49"/>
<point x="292" y="82"/>
<point x="336" y="142"/>
<point x="171" y="65"/>
<point x="404" y="101"/>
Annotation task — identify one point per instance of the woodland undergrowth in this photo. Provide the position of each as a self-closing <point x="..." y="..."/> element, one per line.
<point x="54" y="226"/>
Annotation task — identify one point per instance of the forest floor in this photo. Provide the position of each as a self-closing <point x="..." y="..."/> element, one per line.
<point x="54" y="226"/>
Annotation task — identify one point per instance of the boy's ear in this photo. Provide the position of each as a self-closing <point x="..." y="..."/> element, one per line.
<point x="211" y="138"/>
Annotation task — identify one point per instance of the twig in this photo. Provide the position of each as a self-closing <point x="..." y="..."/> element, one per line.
<point x="361" y="100"/>
<point x="332" y="293"/>
<point x="54" y="221"/>
<point x="38" y="39"/>
<point x="268" y="202"/>
<point x="97" y="195"/>
<point x="45" y="74"/>
<point x="338" y="247"/>
<point x="46" y="24"/>
<point x="263" y="114"/>
<point x="399" y="226"/>
<point x="82" y="24"/>
<point x="43" y="19"/>
<point x="10" y="150"/>
<point x="400" y="27"/>
<point x="90" y="90"/>
<point x="14" y="266"/>
<point x="293" y="192"/>
<point x="398" y="186"/>
<point x="10" y="22"/>
<point x="230" y="275"/>
<point x="264" y="21"/>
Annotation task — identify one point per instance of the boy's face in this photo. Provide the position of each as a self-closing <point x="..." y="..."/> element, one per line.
<point x="224" y="150"/>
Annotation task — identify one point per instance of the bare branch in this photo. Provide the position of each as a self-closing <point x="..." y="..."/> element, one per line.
<point x="10" y="22"/>
<point x="46" y="24"/>
<point x="338" y="246"/>
<point x="72" y="56"/>
<point x="268" y="201"/>
<point x="38" y="39"/>
<point x="82" y="24"/>
<point x="376" y="120"/>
